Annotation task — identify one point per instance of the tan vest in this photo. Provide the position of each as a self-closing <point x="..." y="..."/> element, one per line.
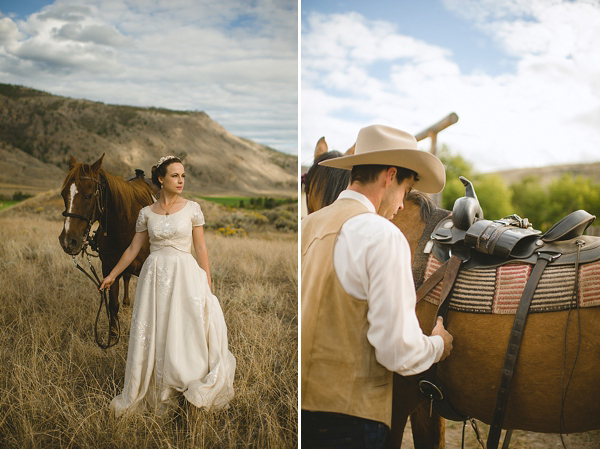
<point x="339" y="371"/>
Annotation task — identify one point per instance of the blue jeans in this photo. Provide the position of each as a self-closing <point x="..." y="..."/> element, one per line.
<point x="321" y="430"/>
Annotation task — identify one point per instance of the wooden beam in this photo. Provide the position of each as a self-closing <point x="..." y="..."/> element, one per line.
<point x="450" y="119"/>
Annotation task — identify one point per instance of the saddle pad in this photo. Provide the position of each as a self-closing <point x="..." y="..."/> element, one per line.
<point x="498" y="290"/>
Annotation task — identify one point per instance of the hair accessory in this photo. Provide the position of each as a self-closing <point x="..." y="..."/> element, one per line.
<point x="164" y="159"/>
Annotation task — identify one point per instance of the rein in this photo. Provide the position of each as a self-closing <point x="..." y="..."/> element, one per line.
<point x="101" y="199"/>
<point x="103" y="300"/>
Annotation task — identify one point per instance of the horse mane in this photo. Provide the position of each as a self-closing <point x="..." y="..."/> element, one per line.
<point x="328" y="180"/>
<point x="426" y="204"/>
<point x="124" y="194"/>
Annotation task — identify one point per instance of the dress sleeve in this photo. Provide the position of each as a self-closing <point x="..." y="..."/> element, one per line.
<point x="197" y="215"/>
<point x="141" y="224"/>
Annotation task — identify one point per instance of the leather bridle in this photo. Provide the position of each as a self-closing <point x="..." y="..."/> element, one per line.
<point x="100" y="198"/>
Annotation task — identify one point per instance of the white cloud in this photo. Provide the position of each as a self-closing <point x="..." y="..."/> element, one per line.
<point x="546" y="112"/>
<point x="9" y="32"/>
<point x="233" y="59"/>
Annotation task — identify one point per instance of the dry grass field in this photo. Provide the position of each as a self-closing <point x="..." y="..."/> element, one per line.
<point x="56" y="384"/>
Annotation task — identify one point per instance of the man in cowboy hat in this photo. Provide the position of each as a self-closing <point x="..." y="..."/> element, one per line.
<point x="358" y="297"/>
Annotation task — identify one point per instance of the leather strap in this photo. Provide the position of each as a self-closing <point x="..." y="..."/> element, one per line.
<point x="514" y="345"/>
<point x="449" y="270"/>
<point x="449" y="278"/>
<point x="431" y="281"/>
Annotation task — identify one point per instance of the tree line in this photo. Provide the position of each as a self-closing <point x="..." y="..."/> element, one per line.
<point x="543" y="205"/>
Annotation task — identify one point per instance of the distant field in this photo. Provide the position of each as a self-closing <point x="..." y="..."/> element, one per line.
<point x="234" y="201"/>
<point x="5" y="204"/>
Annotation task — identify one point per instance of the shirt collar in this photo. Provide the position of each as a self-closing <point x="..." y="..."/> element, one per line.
<point x="351" y="194"/>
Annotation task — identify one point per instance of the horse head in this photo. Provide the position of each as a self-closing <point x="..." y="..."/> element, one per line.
<point x="323" y="184"/>
<point x="84" y="194"/>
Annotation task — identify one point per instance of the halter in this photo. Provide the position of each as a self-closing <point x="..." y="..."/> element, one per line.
<point x="101" y="199"/>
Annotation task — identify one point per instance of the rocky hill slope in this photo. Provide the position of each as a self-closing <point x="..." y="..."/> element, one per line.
<point x="40" y="131"/>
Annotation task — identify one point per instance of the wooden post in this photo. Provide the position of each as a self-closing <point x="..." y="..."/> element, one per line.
<point x="432" y="133"/>
<point x="450" y="119"/>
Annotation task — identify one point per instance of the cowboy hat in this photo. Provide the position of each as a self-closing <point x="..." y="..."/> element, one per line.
<point x="383" y="145"/>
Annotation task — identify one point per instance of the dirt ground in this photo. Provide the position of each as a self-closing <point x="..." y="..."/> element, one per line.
<point x="519" y="440"/>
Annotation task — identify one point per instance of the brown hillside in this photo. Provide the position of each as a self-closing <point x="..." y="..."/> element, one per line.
<point x="39" y="131"/>
<point x="550" y="173"/>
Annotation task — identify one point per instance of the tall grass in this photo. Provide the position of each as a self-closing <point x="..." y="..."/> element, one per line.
<point x="56" y="384"/>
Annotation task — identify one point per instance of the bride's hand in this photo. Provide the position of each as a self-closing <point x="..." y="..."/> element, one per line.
<point x="106" y="282"/>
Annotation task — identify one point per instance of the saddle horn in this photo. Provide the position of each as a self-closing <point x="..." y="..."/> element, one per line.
<point x="466" y="210"/>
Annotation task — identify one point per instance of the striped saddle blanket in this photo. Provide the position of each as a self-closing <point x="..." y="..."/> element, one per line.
<point x="499" y="289"/>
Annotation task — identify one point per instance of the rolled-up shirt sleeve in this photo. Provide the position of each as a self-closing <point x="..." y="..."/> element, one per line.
<point x="394" y="330"/>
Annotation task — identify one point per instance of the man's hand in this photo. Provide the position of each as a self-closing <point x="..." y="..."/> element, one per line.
<point x="442" y="332"/>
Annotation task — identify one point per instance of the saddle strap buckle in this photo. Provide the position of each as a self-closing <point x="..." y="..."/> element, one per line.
<point x="551" y="257"/>
<point x="430" y="390"/>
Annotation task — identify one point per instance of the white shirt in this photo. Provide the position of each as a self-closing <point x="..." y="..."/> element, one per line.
<point x="372" y="261"/>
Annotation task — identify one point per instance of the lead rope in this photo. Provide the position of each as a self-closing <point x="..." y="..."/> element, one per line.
<point x="565" y="390"/>
<point x="103" y="302"/>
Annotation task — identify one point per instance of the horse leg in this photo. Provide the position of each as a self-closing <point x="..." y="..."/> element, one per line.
<point x="406" y="398"/>
<point x="126" y="279"/>
<point x="113" y="307"/>
<point x="428" y="432"/>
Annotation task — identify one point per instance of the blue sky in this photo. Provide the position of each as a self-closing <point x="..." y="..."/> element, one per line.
<point x="430" y="21"/>
<point x="521" y="75"/>
<point x="233" y="59"/>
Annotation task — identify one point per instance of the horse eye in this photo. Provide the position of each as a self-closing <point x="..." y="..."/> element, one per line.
<point x="89" y="196"/>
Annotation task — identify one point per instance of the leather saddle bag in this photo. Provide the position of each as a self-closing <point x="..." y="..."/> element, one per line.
<point x="501" y="238"/>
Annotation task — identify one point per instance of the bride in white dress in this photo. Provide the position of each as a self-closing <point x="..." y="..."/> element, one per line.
<point x="178" y="336"/>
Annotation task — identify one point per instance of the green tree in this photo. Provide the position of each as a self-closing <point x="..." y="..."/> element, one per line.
<point x="20" y="196"/>
<point x="570" y="193"/>
<point x="269" y="203"/>
<point x="456" y="166"/>
<point x="453" y="190"/>
<point x="494" y="196"/>
<point x="530" y="200"/>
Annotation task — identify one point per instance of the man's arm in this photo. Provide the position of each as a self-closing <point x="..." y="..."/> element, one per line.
<point x="394" y="330"/>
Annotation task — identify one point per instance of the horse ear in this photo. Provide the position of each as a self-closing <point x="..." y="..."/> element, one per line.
<point x="321" y="147"/>
<point x="96" y="165"/>
<point x="72" y="162"/>
<point x="350" y="150"/>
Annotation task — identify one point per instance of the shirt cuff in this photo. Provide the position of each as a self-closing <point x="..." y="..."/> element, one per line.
<point x="438" y="342"/>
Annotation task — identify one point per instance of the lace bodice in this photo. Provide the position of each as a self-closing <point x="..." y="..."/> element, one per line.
<point x="170" y="230"/>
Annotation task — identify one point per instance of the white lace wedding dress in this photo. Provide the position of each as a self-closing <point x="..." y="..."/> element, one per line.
<point x="178" y="336"/>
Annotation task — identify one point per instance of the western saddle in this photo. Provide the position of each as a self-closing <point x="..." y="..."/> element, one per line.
<point x="478" y="242"/>
<point x="466" y="240"/>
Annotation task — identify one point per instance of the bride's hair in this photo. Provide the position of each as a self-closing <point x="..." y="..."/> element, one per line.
<point x="161" y="170"/>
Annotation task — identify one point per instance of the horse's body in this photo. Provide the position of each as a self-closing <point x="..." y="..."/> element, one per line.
<point x="87" y="190"/>
<point x="471" y="374"/>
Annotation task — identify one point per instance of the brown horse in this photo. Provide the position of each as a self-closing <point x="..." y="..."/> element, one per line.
<point x="91" y="194"/>
<point x="322" y="185"/>
<point x="471" y="375"/>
